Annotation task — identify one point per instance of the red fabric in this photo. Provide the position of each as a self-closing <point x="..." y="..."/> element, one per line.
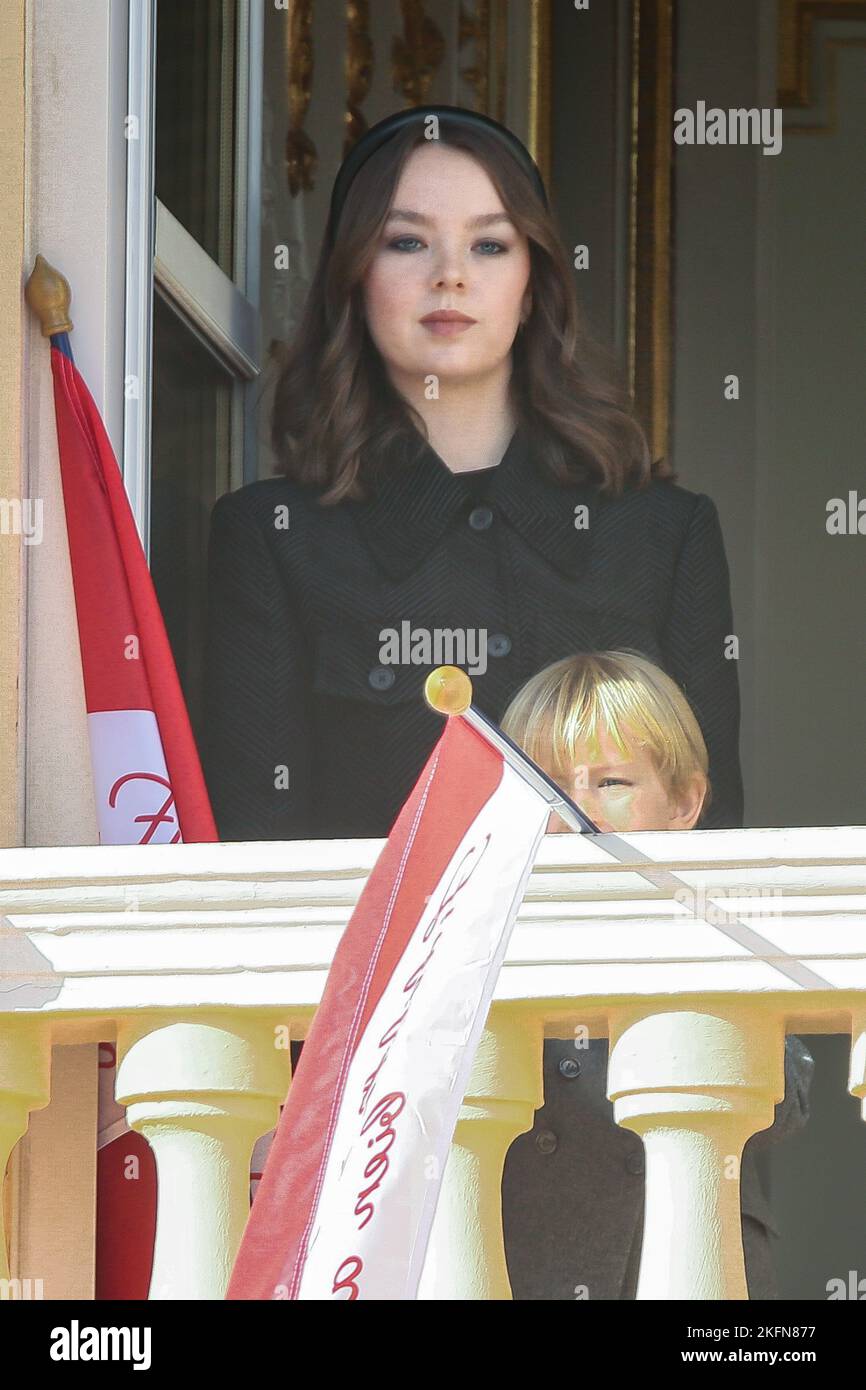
<point x="125" y="1218"/>
<point x="115" y="599"/>
<point x="462" y="773"/>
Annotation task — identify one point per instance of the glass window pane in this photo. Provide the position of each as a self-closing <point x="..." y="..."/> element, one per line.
<point x="190" y="451"/>
<point x="195" y="120"/>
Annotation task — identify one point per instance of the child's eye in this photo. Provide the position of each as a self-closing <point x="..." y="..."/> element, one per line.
<point x="490" y="248"/>
<point x="614" y="782"/>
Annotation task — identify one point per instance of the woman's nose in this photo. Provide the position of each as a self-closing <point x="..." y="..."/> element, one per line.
<point x="450" y="271"/>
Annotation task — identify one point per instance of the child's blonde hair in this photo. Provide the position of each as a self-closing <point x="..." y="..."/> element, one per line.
<point x="567" y="703"/>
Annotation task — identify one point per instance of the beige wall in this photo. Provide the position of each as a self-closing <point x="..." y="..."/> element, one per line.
<point x="769" y="284"/>
<point x="12" y="115"/>
<point x="810" y="755"/>
<point x="62" y="194"/>
<point x="11" y="547"/>
<point x="73" y="188"/>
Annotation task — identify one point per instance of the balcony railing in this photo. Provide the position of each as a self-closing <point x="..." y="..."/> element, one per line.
<point x="194" y="957"/>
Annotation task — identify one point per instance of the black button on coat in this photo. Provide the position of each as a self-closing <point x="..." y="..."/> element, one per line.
<point x="303" y="739"/>
<point x="573" y="1185"/>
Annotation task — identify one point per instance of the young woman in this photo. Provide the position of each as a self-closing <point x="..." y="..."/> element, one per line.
<point x="460" y="477"/>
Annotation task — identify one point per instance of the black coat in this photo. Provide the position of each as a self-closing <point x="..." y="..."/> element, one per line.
<point x="300" y="594"/>
<point x="573" y="1185"/>
<point x="295" y="681"/>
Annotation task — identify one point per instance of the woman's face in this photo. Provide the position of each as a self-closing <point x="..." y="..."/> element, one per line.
<point x="623" y="791"/>
<point x="449" y="282"/>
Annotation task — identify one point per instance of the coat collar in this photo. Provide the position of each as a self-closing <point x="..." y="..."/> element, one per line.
<point x="418" y="498"/>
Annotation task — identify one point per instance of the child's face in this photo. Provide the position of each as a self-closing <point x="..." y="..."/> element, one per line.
<point x="448" y="245"/>
<point x="623" y="791"/>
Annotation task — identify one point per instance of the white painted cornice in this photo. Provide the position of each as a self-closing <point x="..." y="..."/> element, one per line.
<point x="91" y="932"/>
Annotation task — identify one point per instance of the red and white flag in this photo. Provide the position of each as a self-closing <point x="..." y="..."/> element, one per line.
<point x="346" y="1202"/>
<point x="146" y="771"/>
<point x="147" y="777"/>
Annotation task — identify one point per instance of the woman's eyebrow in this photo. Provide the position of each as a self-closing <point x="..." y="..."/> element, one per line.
<point x="485" y="220"/>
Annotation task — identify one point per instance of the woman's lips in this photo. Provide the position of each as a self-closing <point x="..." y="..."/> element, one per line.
<point x="447" y="323"/>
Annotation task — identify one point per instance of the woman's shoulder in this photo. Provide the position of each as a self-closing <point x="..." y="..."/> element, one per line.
<point x="275" y="516"/>
<point x="664" y="502"/>
<point x="254" y="496"/>
<point x="260" y="501"/>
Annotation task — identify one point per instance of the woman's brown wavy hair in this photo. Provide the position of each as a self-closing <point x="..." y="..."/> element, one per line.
<point x="335" y="410"/>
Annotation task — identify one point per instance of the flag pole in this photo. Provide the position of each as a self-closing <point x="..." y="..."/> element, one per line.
<point x="448" y="691"/>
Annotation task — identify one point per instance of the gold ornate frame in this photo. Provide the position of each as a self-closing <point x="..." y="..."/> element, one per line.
<point x="796" y="37"/>
<point x="650" y="195"/>
<point x="795" y="23"/>
<point x="650" y="217"/>
<point x="539" y="85"/>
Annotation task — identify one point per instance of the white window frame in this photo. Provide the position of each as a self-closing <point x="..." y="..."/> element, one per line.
<point x="161" y="256"/>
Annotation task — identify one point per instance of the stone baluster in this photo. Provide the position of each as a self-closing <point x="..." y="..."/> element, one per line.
<point x="695" y="1083"/>
<point x="857" y="1071"/>
<point x="466" y="1254"/>
<point x="25" y="1085"/>
<point x="201" y="1091"/>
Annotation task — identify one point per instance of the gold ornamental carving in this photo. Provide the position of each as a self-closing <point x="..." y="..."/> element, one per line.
<point x="301" y="155"/>
<point x="417" y="53"/>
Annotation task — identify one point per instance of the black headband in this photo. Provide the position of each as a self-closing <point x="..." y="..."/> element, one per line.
<point x="380" y="133"/>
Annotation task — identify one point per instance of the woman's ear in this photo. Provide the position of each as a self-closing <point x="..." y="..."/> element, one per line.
<point x="686" y="808"/>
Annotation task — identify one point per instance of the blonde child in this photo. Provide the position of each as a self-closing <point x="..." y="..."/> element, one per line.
<point x="618" y="735"/>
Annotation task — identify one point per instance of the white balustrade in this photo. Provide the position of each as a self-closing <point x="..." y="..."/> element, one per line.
<point x="201" y="1091"/>
<point x="694" y="953"/>
<point x="695" y="1085"/>
<point x="466" y="1254"/>
<point x="25" y="1057"/>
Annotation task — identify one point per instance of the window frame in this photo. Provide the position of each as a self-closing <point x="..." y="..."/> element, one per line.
<point x="163" y="258"/>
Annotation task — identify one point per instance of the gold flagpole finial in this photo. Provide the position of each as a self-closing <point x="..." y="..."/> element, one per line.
<point x="49" y="296"/>
<point x="448" y="690"/>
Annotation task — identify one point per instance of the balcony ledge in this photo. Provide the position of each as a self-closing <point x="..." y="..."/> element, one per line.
<point x="88" y="932"/>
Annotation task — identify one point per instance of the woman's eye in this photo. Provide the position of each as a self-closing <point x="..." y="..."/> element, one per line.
<point x="399" y="243"/>
<point x="614" y="782"/>
<point x="488" y="247"/>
